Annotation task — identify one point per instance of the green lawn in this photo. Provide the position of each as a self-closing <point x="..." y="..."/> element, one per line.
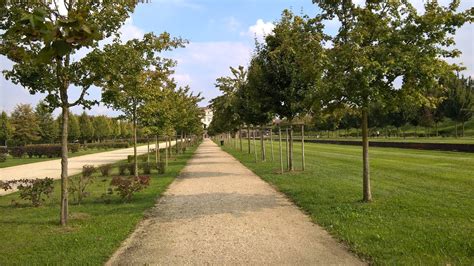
<point x="32" y="235"/>
<point x="423" y="208"/>
<point x="465" y="140"/>
<point x="25" y="160"/>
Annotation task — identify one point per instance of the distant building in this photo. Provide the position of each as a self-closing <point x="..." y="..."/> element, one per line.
<point x="207" y="119"/>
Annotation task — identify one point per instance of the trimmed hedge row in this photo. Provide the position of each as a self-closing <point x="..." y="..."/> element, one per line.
<point x="40" y="150"/>
<point x="403" y="145"/>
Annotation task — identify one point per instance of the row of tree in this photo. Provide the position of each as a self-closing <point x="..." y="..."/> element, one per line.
<point x="47" y="41"/>
<point x="28" y="126"/>
<point x="455" y="103"/>
<point x="299" y="71"/>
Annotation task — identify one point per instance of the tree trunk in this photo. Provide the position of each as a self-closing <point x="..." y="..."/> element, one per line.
<point x="166" y="150"/>
<point x="64" y="165"/>
<point x="157" y="149"/>
<point x="462" y="132"/>
<point x="287" y="151"/>
<point x="262" y="142"/>
<point x="281" y="152"/>
<point x="271" y="143"/>
<point x="148" y="150"/>
<point x="240" y="138"/>
<point x="365" y="156"/>
<point x="302" y="148"/>
<point x="290" y="166"/>
<point x="248" y="137"/>
<point x="254" y="145"/>
<point x="436" y="128"/>
<point x="135" y="143"/>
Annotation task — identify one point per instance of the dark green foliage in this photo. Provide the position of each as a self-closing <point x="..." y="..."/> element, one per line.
<point x="34" y="190"/>
<point x="88" y="170"/>
<point x="127" y="186"/>
<point x="3" y="157"/>
<point x="161" y="167"/>
<point x="146" y="167"/>
<point x="122" y="169"/>
<point x="105" y="169"/>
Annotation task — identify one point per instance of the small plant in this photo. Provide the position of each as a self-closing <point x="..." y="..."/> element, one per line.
<point x="88" y="170"/>
<point x="146" y="168"/>
<point x="131" y="168"/>
<point x="122" y="169"/>
<point x="127" y="186"/>
<point x="3" y="157"/>
<point x="105" y="169"/>
<point x="160" y="166"/>
<point x="130" y="158"/>
<point x="78" y="187"/>
<point x="34" y="190"/>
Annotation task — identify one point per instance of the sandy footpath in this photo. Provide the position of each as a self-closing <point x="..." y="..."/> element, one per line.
<point x="219" y="212"/>
<point x="52" y="168"/>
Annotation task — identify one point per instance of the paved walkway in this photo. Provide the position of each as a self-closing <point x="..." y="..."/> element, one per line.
<point x="219" y="212"/>
<point x="52" y="168"/>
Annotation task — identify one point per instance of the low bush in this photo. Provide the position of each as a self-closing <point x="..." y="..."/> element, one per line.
<point x="146" y="168"/>
<point x="122" y="169"/>
<point x="131" y="168"/>
<point x="34" y="190"/>
<point x="105" y="169"/>
<point x="161" y="167"/>
<point x="75" y="147"/>
<point x="127" y="186"/>
<point x="3" y="157"/>
<point x="130" y="158"/>
<point x="3" y="149"/>
<point x="78" y="188"/>
<point x="17" y="152"/>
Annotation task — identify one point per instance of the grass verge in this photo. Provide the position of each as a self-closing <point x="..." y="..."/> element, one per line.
<point x="96" y="228"/>
<point x="423" y="208"/>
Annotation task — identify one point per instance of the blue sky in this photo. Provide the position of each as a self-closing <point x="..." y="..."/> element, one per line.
<point x="221" y="34"/>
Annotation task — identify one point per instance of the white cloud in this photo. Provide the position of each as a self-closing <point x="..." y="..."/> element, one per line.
<point x="260" y="29"/>
<point x="129" y="31"/>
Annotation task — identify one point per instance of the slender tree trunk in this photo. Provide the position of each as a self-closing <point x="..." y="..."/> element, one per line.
<point x="436" y="128"/>
<point x="240" y="138"/>
<point x="287" y="150"/>
<point x="248" y="137"/>
<point x="148" y="150"/>
<point x="462" y="132"/>
<point x="302" y="148"/>
<point x="291" y="166"/>
<point x="135" y="143"/>
<point x="182" y="143"/>
<point x="254" y="145"/>
<point x="271" y="143"/>
<point x="166" y="149"/>
<point x="262" y="142"/>
<point x="365" y="156"/>
<point x="157" y="150"/>
<point x="281" y="152"/>
<point x="64" y="165"/>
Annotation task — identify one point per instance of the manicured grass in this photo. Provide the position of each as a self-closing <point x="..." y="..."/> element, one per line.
<point x="32" y="236"/>
<point x="465" y="140"/>
<point x="423" y="208"/>
<point x="25" y="160"/>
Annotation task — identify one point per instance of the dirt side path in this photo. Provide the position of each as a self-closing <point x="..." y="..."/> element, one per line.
<point x="219" y="212"/>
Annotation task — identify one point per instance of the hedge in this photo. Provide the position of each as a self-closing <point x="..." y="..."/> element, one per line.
<point x="40" y="150"/>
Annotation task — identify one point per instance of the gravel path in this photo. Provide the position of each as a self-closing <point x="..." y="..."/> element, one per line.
<point x="219" y="212"/>
<point x="52" y="168"/>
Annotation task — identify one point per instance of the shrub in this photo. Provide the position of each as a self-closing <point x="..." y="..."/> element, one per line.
<point x="126" y="187"/>
<point x="122" y="169"/>
<point x="161" y="167"/>
<point x="78" y="187"/>
<point x="3" y="149"/>
<point x="75" y="147"/>
<point x="130" y="158"/>
<point x="88" y="170"/>
<point x="3" y="157"/>
<point x="33" y="190"/>
<point x="146" y="168"/>
<point x="144" y="158"/>
<point x="17" y="152"/>
<point x="131" y="168"/>
<point x="105" y="169"/>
